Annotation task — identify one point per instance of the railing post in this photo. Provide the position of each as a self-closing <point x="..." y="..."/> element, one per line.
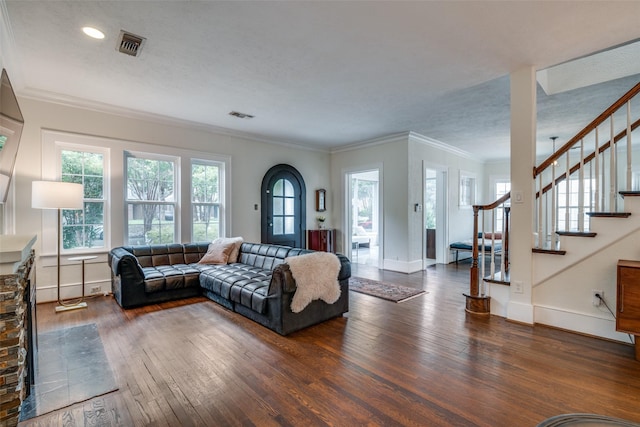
<point x="505" y="239"/>
<point x="475" y="302"/>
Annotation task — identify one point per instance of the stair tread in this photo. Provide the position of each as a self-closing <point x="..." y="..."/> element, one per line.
<point x="629" y="193"/>
<point x="548" y="251"/>
<point x="609" y="214"/>
<point x="577" y="233"/>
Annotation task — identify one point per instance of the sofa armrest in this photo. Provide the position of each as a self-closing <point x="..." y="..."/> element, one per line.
<point x="125" y="264"/>
<point x="283" y="282"/>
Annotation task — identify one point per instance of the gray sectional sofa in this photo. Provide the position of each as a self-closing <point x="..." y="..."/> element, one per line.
<point x="259" y="286"/>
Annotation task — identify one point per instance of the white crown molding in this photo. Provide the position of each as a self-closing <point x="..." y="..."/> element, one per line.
<point x="73" y="102"/>
<point x="372" y="142"/>
<point x="441" y="145"/>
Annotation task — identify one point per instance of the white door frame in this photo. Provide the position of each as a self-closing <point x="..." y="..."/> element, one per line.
<point x="347" y="219"/>
<point x="442" y="207"/>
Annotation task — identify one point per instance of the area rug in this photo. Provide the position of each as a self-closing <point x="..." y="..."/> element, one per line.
<point x="384" y="290"/>
<point x="72" y="367"/>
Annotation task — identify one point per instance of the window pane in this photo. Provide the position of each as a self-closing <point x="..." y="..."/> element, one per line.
<point x="93" y="187"/>
<point x="205" y="199"/>
<point x="149" y="179"/>
<point x="288" y="206"/>
<point x="149" y="224"/>
<point x="278" y="226"/>
<point x="84" y="228"/>
<point x="288" y="188"/>
<point x="278" y="206"/>
<point x="206" y="222"/>
<point x="278" y="188"/>
<point x="288" y="225"/>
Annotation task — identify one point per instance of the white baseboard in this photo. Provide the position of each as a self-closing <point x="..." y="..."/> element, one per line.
<point x="402" y="266"/>
<point x="520" y="312"/>
<point x="50" y="293"/>
<point x="579" y="322"/>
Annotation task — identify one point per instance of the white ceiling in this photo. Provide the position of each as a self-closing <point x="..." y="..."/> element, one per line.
<point x="323" y="73"/>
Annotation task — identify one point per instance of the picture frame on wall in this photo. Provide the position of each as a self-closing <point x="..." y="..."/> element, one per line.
<point x="467" y="189"/>
<point x="321" y="196"/>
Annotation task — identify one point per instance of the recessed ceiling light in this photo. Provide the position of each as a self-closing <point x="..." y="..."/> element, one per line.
<point x="93" y="32"/>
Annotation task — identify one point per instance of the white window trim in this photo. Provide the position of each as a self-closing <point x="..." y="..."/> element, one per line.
<point x="222" y="165"/>
<point x="177" y="193"/>
<point x="114" y="176"/>
<point x="53" y="144"/>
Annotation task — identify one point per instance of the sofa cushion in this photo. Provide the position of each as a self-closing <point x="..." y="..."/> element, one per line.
<point x="218" y="252"/>
<point x="164" y="277"/>
<point x="243" y="284"/>
<point x="235" y="251"/>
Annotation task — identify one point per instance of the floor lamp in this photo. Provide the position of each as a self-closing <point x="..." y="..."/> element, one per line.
<point x="59" y="195"/>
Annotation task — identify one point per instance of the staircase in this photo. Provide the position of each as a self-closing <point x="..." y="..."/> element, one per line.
<point x="587" y="212"/>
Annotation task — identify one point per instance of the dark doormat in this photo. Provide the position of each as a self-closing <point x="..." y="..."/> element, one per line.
<point x="72" y="368"/>
<point x="384" y="290"/>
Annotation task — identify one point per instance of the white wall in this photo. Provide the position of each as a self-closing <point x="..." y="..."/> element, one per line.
<point x="402" y="158"/>
<point x="391" y="155"/>
<point x="460" y="219"/>
<point x="250" y="160"/>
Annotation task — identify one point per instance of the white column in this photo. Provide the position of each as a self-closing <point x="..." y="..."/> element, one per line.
<point x="523" y="148"/>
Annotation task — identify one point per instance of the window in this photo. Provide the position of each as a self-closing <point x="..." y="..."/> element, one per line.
<point x="283" y="207"/>
<point x="150" y="199"/>
<point x="206" y="191"/>
<point x="84" y="229"/>
<point x="501" y="188"/>
<point x="574" y="202"/>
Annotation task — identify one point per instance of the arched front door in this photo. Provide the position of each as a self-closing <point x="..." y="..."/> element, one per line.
<point x="283" y="207"/>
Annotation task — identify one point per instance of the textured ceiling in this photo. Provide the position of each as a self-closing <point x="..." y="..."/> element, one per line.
<point x="322" y="74"/>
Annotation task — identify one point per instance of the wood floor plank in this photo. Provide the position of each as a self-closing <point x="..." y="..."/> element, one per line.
<point x="421" y="362"/>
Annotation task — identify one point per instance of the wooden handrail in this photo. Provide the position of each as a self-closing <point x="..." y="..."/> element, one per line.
<point x="591" y="156"/>
<point x="493" y="205"/>
<point x="584" y="132"/>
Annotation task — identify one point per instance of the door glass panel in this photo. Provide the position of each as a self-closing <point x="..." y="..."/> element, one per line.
<point x="277" y="226"/>
<point x="277" y="188"/>
<point x="288" y="225"/>
<point x="288" y="206"/>
<point x="288" y="188"/>
<point x="277" y="206"/>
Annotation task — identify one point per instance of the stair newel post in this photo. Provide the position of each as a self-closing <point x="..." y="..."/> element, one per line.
<point x="475" y="282"/>
<point x="505" y="240"/>
<point x="475" y="302"/>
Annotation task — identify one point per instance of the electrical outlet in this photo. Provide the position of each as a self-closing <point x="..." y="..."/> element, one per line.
<point x="595" y="300"/>
<point x="518" y="287"/>
<point x="96" y="289"/>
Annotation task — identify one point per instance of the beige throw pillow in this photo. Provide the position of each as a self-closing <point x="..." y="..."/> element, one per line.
<point x="235" y="251"/>
<point x="218" y="253"/>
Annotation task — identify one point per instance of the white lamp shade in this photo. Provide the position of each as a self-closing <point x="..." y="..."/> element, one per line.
<point x="57" y="195"/>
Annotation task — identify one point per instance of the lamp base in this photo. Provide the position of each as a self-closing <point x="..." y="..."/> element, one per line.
<point x="61" y="308"/>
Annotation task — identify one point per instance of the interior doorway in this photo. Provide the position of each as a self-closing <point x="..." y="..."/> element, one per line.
<point x="363" y="217"/>
<point x="435" y="216"/>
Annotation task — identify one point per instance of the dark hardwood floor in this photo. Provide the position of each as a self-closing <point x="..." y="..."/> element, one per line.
<point x="424" y="362"/>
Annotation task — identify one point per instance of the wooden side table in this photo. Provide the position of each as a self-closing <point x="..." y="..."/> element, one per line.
<point x="628" y="300"/>
<point x="321" y="240"/>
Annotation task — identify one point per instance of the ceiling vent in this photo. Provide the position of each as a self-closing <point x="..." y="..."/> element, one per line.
<point x="241" y="115"/>
<point x="130" y="44"/>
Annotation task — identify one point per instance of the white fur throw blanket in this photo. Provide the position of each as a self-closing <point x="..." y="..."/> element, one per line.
<point x="316" y="276"/>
